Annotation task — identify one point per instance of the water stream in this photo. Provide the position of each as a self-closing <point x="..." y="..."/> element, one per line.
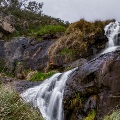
<point x="48" y="96"/>
<point x="112" y="31"/>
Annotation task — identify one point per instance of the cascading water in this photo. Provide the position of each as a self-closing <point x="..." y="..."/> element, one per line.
<point x="112" y="31"/>
<point x="48" y="96"/>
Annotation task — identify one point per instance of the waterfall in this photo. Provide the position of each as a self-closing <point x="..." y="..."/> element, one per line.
<point x="48" y="96"/>
<point x="112" y="31"/>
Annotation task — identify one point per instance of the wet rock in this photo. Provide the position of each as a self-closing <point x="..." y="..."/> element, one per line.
<point x="97" y="83"/>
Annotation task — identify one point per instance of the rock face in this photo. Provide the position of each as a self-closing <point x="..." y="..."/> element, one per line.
<point x="93" y="86"/>
<point x="2" y="54"/>
<point x="6" y="24"/>
<point x="22" y="53"/>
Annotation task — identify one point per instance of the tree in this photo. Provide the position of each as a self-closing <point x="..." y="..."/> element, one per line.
<point x="9" y="5"/>
<point x="35" y="7"/>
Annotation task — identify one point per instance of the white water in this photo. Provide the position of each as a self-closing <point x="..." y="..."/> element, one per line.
<point x="48" y="96"/>
<point x="112" y="31"/>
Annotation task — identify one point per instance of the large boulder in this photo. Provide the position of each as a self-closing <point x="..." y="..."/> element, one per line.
<point x="93" y="88"/>
<point x="22" y="53"/>
<point x="6" y="24"/>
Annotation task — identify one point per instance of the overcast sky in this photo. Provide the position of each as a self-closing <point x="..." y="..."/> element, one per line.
<point x="73" y="10"/>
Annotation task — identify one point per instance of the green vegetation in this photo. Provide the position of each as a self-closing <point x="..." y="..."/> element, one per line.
<point x="50" y="29"/>
<point x="28" y="18"/>
<point x="91" y="115"/>
<point x="13" y="108"/>
<point x="76" y="101"/>
<point x="114" y="116"/>
<point x="96" y="27"/>
<point x="68" y="52"/>
<point x="39" y="76"/>
<point x="78" y="38"/>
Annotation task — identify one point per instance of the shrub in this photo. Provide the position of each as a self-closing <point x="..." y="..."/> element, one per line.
<point x="79" y="37"/>
<point x="13" y="108"/>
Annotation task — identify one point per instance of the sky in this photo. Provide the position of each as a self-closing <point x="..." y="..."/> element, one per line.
<point x="74" y="10"/>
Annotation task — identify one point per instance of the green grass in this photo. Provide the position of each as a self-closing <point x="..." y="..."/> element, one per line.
<point x="13" y="108"/>
<point x="50" y="29"/>
<point x="39" y="76"/>
<point x="70" y="52"/>
<point x="91" y="115"/>
<point x="66" y="51"/>
<point x="114" y="116"/>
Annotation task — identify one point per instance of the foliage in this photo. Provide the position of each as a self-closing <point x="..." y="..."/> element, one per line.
<point x="13" y="108"/>
<point x="68" y="52"/>
<point x="28" y="17"/>
<point x="50" y="29"/>
<point x="65" y="51"/>
<point x="39" y="76"/>
<point x="91" y="115"/>
<point x="34" y="6"/>
<point x="88" y="27"/>
<point x="13" y="5"/>
<point x="79" y="36"/>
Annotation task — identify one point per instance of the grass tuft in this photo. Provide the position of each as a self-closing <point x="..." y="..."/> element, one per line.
<point x="50" y="29"/>
<point x="13" y="108"/>
<point x="39" y="76"/>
